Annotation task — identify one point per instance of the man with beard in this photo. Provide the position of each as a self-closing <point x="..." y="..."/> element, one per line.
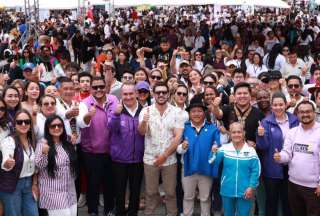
<point x="263" y="101"/>
<point x="184" y="70"/>
<point x="162" y="126"/>
<point x="301" y="152"/>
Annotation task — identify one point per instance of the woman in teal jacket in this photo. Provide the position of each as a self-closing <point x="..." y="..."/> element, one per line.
<point x="240" y="173"/>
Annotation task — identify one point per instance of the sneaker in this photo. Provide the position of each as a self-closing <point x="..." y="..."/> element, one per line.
<point x="82" y="201"/>
<point x="101" y="200"/>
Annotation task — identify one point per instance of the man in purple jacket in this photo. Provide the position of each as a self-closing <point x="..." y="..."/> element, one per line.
<point x="95" y="147"/>
<point x="126" y="151"/>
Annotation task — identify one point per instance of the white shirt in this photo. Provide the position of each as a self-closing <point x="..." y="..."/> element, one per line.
<point x="28" y="166"/>
<point x="160" y="132"/>
<point x="132" y="112"/>
<point x="289" y="69"/>
<point x="280" y="61"/>
<point x="254" y="70"/>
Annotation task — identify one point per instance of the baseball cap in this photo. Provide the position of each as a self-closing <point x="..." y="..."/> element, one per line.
<point x="184" y="62"/>
<point x="28" y="65"/>
<point x="143" y="85"/>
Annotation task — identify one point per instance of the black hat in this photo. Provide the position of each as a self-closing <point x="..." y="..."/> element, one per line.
<point x="275" y="75"/>
<point x="264" y="77"/>
<point x="196" y="102"/>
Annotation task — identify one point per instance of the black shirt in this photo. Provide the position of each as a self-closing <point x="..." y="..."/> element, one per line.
<point x="251" y="122"/>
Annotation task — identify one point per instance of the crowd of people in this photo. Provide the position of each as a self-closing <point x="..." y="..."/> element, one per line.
<point x="169" y="106"/>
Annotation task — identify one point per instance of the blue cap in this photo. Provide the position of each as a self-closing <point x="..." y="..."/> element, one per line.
<point x="143" y="85"/>
<point x="28" y="66"/>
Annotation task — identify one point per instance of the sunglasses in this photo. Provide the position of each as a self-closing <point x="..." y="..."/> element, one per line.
<point x="101" y="87"/>
<point x="49" y="103"/>
<point x="198" y="54"/>
<point x="156" y="77"/>
<point x="2" y="109"/>
<point x="143" y="91"/>
<point x="23" y="121"/>
<point x="285" y="50"/>
<point x="208" y="83"/>
<point x="161" y="92"/>
<point x="182" y="94"/>
<point x="56" y="126"/>
<point x="291" y="86"/>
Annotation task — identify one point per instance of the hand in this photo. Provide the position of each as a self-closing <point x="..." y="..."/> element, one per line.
<point x="217" y="101"/>
<point x="292" y="102"/>
<point x="119" y="108"/>
<point x="282" y="82"/>
<point x="45" y="147"/>
<point x="35" y="109"/>
<point x="277" y="156"/>
<point x="304" y="70"/>
<point x="10" y="163"/>
<point x="92" y="110"/>
<point x="248" y="194"/>
<point x="146" y="115"/>
<point x="251" y="143"/>
<point x="35" y="192"/>
<point x="74" y="138"/>
<point x="261" y="130"/>
<point x="175" y="52"/>
<point x="185" y="145"/>
<point x="223" y="130"/>
<point x="231" y="99"/>
<point x="214" y="148"/>
<point x="160" y="159"/>
<point x="317" y="192"/>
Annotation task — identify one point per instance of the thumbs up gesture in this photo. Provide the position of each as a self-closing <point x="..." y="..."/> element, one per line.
<point x="45" y="147"/>
<point x="10" y="163"/>
<point x="92" y="110"/>
<point x="185" y="145"/>
<point x="260" y="129"/>
<point x="217" y="101"/>
<point x="146" y="115"/>
<point x="119" y="108"/>
<point x="35" y="109"/>
<point x="277" y="156"/>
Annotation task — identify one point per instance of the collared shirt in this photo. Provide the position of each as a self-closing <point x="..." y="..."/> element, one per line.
<point x="160" y="132"/>
<point x="132" y="112"/>
<point x="289" y="69"/>
<point x="198" y="129"/>
<point x="284" y="126"/>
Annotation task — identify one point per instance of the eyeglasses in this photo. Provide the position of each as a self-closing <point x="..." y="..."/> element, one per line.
<point x="161" y="92"/>
<point x="127" y="77"/>
<point x="2" y="109"/>
<point x="208" y="83"/>
<point x="302" y="112"/>
<point x="49" y="103"/>
<point x="23" y="121"/>
<point x="198" y="54"/>
<point x="182" y="94"/>
<point x="100" y="87"/>
<point x="56" y="126"/>
<point x="143" y="91"/>
<point x="291" y="86"/>
<point x="156" y="77"/>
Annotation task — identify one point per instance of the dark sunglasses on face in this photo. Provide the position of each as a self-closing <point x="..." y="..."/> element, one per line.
<point x="2" y="109"/>
<point x="156" y="77"/>
<point x="208" y="83"/>
<point x="23" y="121"/>
<point x="182" y="94"/>
<point x="99" y="87"/>
<point x="291" y="86"/>
<point x="54" y="126"/>
<point x="49" y="103"/>
<point x="161" y="92"/>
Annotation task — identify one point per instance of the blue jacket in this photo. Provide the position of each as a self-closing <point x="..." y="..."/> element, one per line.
<point x="241" y="169"/>
<point x="126" y="144"/>
<point x="272" y="139"/>
<point x="196" y="158"/>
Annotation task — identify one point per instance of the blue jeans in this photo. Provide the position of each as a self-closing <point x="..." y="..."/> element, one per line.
<point x="20" y="202"/>
<point x="236" y="206"/>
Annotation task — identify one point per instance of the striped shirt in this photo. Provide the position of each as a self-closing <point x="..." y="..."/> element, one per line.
<point x="58" y="192"/>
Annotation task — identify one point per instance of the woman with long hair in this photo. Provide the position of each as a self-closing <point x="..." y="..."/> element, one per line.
<point x="26" y="57"/>
<point x="274" y="60"/>
<point x="11" y="97"/>
<point x="253" y="70"/>
<point x="56" y="160"/>
<point x="195" y="83"/>
<point x="18" y="188"/>
<point x="31" y="99"/>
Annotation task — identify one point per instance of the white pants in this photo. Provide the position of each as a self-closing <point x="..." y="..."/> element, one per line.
<point x="190" y="184"/>
<point x="71" y="211"/>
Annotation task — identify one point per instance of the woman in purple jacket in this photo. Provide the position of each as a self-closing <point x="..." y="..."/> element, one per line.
<point x="270" y="138"/>
<point x="126" y="151"/>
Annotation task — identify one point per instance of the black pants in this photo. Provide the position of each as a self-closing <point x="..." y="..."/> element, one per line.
<point x="303" y="200"/>
<point x="99" y="173"/>
<point x="276" y="189"/>
<point x="123" y="173"/>
<point x="179" y="188"/>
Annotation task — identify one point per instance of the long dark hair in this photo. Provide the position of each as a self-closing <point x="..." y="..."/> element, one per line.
<point x="275" y="51"/>
<point x="14" y="88"/>
<point x="4" y="120"/>
<point x="67" y="146"/>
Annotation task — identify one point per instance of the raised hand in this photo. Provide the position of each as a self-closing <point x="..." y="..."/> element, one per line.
<point x="119" y="108"/>
<point x="146" y="115"/>
<point x="261" y="130"/>
<point x="276" y="155"/>
<point x="45" y="147"/>
<point x="185" y="144"/>
<point x="10" y="163"/>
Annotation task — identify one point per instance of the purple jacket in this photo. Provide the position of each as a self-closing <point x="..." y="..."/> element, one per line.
<point x="10" y="179"/>
<point x="126" y="144"/>
<point x="95" y="138"/>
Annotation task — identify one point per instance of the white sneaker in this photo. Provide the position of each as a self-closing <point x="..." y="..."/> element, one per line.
<point x="82" y="200"/>
<point x="101" y="201"/>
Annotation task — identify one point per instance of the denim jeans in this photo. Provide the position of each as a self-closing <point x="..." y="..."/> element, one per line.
<point x="20" y="202"/>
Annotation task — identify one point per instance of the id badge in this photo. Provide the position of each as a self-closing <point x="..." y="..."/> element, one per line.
<point x="30" y="166"/>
